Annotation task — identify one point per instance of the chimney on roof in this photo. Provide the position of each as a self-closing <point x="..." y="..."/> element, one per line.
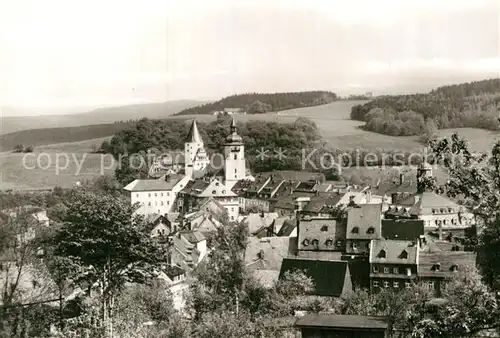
<point x="401" y="179"/>
<point x="167" y="178"/>
<point x="394" y="198"/>
<point x="262" y="214"/>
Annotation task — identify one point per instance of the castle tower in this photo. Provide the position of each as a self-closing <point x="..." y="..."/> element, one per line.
<point x="195" y="157"/>
<point x="234" y="154"/>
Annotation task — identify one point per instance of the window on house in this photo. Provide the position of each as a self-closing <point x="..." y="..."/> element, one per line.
<point x="235" y="156"/>
<point x="156" y="195"/>
<point x="436" y="221"/>
<point x="354" y="245"/>
<point x="168" y="194"/>
<point x="324" y="228"/>
<point x="216" y="184"/>
<point x="329" y="242"/>
<point x="232" y="218"/>
<point x="407" y="285"/>
<point x="355" y="230"/>
<point x="375" y="284"/>
<point x="235" y="171"/>
<point x="339" y="243"/>
<point x="386" y="270"/>
<point x="168" y="202"/>
<point x="444" y="222"/>
<point x="149" y="204"/>
<point x="375" y="269"/>
<point x="395" y="285"/>
<point x="395" y="270"/>
<point x="382" y="254"/>
<point x="305" y="242"/>
<point x="386" y="284"/>
<point x="371" y="230"/>
<point x="161" y="203"/>
<point x="315" y="242"/>
<point x="214" y="192"/>
<point x="454" y="267"/>
<point x="404" y="254"/>
<point x="149" y="194"/>
<point x="137" y="195"/>
<point x="408" y="272"/>
<point x="161" y="194"/>
<point x="437" y="267"/>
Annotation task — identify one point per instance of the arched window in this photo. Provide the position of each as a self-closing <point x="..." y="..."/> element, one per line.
<point x="305" y="242"/>
<point x="355" y="230"/>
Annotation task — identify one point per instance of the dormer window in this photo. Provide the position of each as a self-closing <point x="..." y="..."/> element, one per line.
<point x="324" y="228"/>
<point x="214" y="192"/>
<point x="437" y="267"/>
<point x="329" y="242"/>
<point x="404" y="254"/>
<point x="450" y="210"/>
<point x="382" y="254"/>
<point x="315" y="242"/>
<point x="305" y="242"/>
<point x="355" y="230"/>
<point x="371" y="230"/>
<point x="433" y="211"/>
<point x="454" y="268"/>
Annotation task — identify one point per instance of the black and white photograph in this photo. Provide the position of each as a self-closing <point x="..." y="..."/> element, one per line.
<point x="250" y="169"/>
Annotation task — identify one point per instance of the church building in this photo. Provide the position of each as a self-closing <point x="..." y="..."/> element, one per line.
<point x="184" y="193"/>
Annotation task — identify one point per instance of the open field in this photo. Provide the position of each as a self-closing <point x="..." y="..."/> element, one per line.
<point x="332" y="119"/>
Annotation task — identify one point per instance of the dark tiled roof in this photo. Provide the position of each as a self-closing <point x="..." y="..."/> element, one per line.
<point x="343" y="321"/>
<point x="404" y="229"/>
<point x="174" y="271"/>
<point x="318" y="203"/>
<point x="287" y="228"/>
<point x="267" y="253"/>
<point x="394" y="250"/>
<point x="329" y="277"/>
<point x="192" y="236"/>
<point x="446" y="259"/>
<point x="364" y="217"/>
<point x="241" y="185"/>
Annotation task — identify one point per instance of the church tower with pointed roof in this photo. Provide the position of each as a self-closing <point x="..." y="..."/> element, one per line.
<point x="195" y="157"/>
<point x="234" y="155"/>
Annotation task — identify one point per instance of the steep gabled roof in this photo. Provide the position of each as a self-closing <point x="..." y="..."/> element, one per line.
<point x="403" y="229"/>
<point x="194" y="134"/>
<point x="446" y="259"/>
<point x="267" y="253"/>
<point x="192" y="236"/>
<point x="361" y="219"/>
<point x="331" y="278"/>
<point x="393" y="251"/>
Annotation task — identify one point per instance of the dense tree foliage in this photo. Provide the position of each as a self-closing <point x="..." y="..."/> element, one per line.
<point x="273" y="102"/>
<point x="106" y="245"/>
<point x="474" y="178"/>
<point x="474" y="104"/>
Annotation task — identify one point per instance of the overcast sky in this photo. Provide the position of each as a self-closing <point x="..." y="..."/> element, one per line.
<point x="64" y="53"/>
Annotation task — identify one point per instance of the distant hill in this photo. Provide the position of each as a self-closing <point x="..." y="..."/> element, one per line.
<point x="37" y="137"/>
<point x="257" y="103"/>
<point x="472" y="105"/>
<point x="10" y="124"/>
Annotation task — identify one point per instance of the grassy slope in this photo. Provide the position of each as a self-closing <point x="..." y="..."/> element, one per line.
<point x="333" y="120"/>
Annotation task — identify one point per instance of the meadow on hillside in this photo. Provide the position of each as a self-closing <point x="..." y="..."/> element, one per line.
<point x="332" y="119"/>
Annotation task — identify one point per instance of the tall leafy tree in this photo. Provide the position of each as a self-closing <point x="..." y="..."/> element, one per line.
<point x="107" y="245"/>
<point x="474" y="179"/>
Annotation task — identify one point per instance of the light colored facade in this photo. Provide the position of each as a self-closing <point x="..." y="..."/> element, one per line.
<point x="195" y="156"/>
<point x="156" y="196"/>
<point x="234" y="154"/>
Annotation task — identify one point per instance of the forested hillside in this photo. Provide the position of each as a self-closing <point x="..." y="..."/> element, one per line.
<point x="257" y="103"/>
<point x="474" y="105"/>
<point x="37" y="137"/>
